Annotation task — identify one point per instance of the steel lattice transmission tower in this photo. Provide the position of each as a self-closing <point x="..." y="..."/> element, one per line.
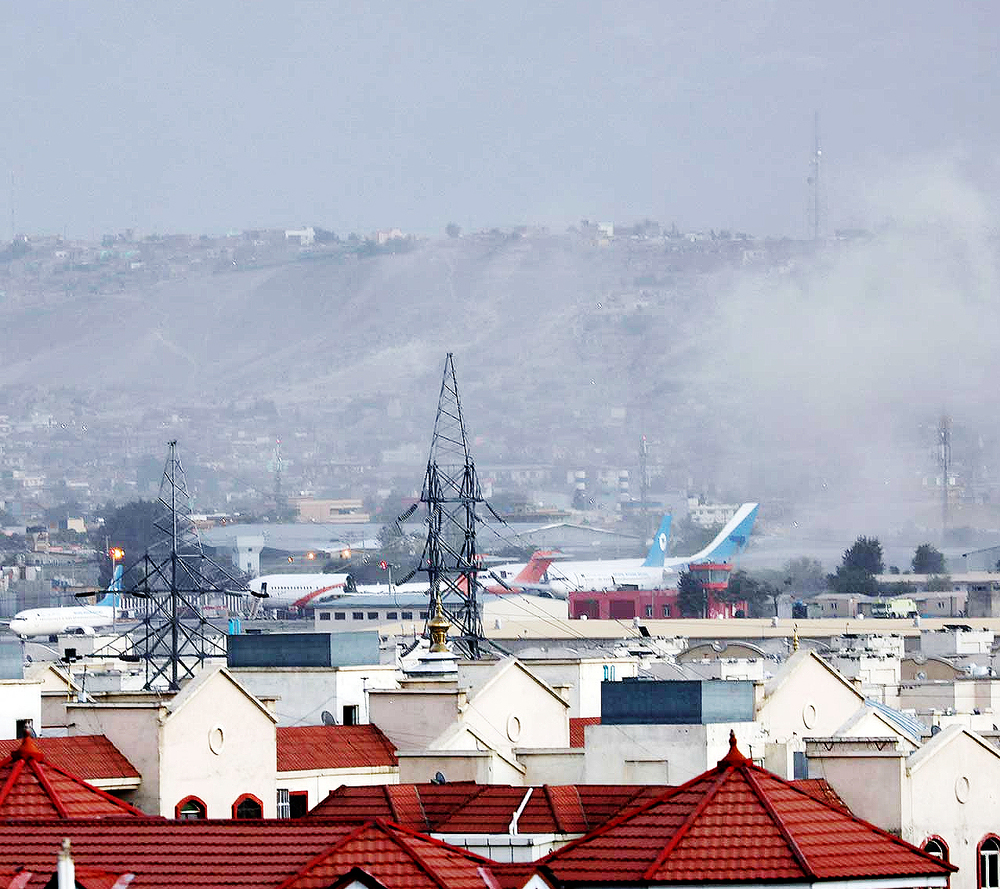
<point x="452" y="493"/>
<point x="176" y="579"/>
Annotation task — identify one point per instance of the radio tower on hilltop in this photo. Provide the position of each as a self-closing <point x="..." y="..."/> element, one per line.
<point x="452" y="493"/>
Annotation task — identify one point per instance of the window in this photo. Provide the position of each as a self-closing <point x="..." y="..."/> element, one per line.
<point x="424" y="615"/>
<point x="324" y="615"/>
<point x="666" y="611"/>
<point x="24" y="728"/>
<point x="248" y="806"/>
<point x="299" y="803"/>
<point x="357" y="615"/>
<point x="937" y="847"/>
<point x="340" y="616"/>
<point x="372" y="615"/>
<point x="392" y="615"/>
<point x="283" y="809"/>
<point x="191" y="809"/>
<point x="350" y="714"/>
<point x="989" y="863"/>
<point x="649" y="611"/>
<point x="406" y="615"/>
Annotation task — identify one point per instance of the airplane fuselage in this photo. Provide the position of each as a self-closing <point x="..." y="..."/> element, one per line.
<point x="50" y="621"/>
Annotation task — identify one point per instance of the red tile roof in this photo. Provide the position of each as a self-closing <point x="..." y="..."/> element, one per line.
<point x="92" y="757"/>
<point x="317" y="747"/>
<point x="467" y="807"/>
<point x="166" y="854"/>
<point x="737" y="823"/>
<point x="33" y="787"/>
<point x="264" y="854"/>
<point x="577" y="728"/>
<point x="398" y="859"/>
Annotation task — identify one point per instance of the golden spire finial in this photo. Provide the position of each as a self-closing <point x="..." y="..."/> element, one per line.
<point x="438" y="627"/>
<point x="795" y="637"/>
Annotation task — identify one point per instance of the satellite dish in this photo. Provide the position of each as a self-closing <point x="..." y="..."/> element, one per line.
<point x="438" y="779"/>
<point x="328" y="718"/>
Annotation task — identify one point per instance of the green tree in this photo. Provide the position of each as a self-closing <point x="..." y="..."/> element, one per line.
<point x="760" y="595"/>
<point x="692" y="599"/>
<point x="865" y="554"/>
<point x="853" y="580"/>
<point x="927" y="560"/>
<point x="938" y="583"/>
<point x="131" y="528"/>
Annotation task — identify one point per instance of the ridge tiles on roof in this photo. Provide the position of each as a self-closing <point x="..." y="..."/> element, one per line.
<point x="737" y="822"/>
<point x="31" y="787"/>
<point x="395" y="857"/>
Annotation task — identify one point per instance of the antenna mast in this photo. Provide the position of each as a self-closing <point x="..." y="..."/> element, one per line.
<point x="451" y="491"/>
<point x="814" y="181"/>
<point x="944" y="459"/>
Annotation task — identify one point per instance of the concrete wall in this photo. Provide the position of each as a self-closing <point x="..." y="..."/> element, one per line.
<point x="870" y="781"/>
<point x="134" y="730"/>
<point x="484" y="767"/>
<point x="662" y="754"/>
<point x="413" y="718"/>
<point x="552" y="766"/>
<point x="303" y="693"/>
<point x="20" y="699"/>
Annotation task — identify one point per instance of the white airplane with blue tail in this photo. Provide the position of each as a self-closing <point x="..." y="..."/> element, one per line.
<point x="82" y="619"/>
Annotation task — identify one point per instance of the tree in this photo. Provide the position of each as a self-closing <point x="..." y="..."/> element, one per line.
<point x="927" y="560"/>
<point x="131" y="528"/>
<point x="760" y="595"/>
<point x="865" y="554"/>
<point x="452" y="230"/>
<point x="691" y="597"/>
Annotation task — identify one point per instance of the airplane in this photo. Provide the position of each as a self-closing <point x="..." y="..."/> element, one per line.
<point x="530" y="575"/>
<point x="608" y="572"/>
<point x="567" y="577"/>
<point x="300" y="590"/>
<point x="84" y="619"/>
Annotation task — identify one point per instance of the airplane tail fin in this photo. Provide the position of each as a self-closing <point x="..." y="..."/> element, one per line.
<point x="658" y="548"/>
<point x="115" y="587"/>
<point x="537" y="565"/>
<point x="732" y="539"/>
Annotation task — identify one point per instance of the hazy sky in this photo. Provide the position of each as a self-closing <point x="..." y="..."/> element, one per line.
<point x="202" y="117"/>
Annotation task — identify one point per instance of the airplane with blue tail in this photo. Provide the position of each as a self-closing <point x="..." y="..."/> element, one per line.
<point x="562" y="577"/>
<point x="657" y="572"/>
<point x="82" y="619"/>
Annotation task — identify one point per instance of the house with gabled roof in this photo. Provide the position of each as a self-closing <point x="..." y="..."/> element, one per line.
<point x="314" y="760"/>
<point x="32" y="786"/>
<point x="208" y="751"/>
<point x="943" y="796"/>
<point x="735" y="825"/>
<point x="93" y="758"/>
<point x="805" y="697"/>
<point x="739" y="824"/>
<point x="472" y="728"/>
